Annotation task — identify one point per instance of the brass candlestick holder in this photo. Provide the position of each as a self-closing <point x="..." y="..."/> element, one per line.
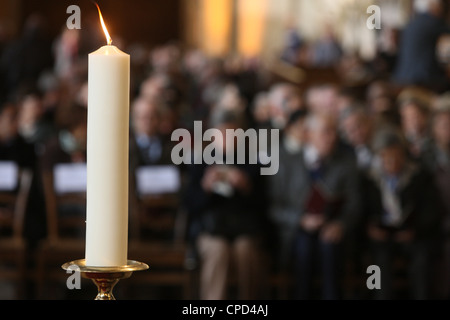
<point x="105" y="278"/>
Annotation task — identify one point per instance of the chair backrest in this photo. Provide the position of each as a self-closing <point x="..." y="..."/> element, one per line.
<point x="15" y="185"/>
<point x="154" y="204"/>
<point x="65" y="187"/>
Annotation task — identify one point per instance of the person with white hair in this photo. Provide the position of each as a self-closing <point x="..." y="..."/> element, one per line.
<point x="417" y="62"/>
<point x="283" y="99"/>
<point x="314" y="206"/>
<point x="423" y="6"/>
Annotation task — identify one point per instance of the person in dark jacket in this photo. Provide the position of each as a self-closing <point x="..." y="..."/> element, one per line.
<point x="12" y="146"/>
<point x="405" y="215"/>
<point x="24" y="60"/>
<point x="68" y="145"/>
<point x="437" y="159"/>
<point x="313" y="205"/>
<point x="417" y="62"/>
<point x="292" y="143"/>
<point x="226" y="205"/>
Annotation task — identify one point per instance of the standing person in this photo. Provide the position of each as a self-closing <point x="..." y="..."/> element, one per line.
<point x="437" y="160"/>
<point x="417" y="62"/>
<point x="357" y="128"/>
<point x="33" y="125"/>
<point x="226" y="208"/>
<point x="414" y="117"/>
<point x="24" y="60"/>
<point x="405" y="218"/>
<point x="12" y="146"/>
<point x="313" y="205"/>
<point x="292" y="143"/>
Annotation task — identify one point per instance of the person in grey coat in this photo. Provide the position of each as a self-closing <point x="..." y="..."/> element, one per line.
<point x="314" y="202"/>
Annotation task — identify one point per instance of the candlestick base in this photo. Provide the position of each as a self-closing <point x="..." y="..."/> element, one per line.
<point x="105" y="278"/>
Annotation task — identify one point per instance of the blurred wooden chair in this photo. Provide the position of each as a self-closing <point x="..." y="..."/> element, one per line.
<point x="13" y="204"/>
<point x="157" y="230"/>
<point x="64" y="189"/>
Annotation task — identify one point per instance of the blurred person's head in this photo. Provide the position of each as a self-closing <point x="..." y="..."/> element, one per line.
<point x="165" y="58"/>
<point x="434" y="7"/>
<point x="419" y="94"/>
<point x="414" y="118"/>
<point x="73" y="138"/>
<point x="441" y="127"/>
<point x="224" y="120"/>
<point x="295" y="131"/>
<point x="70" y="41"/>
<point x="356" y="126"/>
<point x="230" y="98"/>
<point x="391" y="149"/>
<point x="378" y="89"/>
<point x="8" y="122"/>
<point x="321" y="133"/>
<point x="261" y="108"/>
<point x="66" y="52"/>
<point x="52" y="91"/>
<point x="154" y="85"/>
<point x="168" y="120"/>
<point x="82" y="94"/>
<point x="212" y="70"/>
<point x="379" y="97"/>
<point x="283" y="98"/>
<point x="160" y="86"/>
<point x="323" y="99"/>
<point x="233" y="64"/>
<point x="389" y="40"/>
<point x="194" y="61"/>
<point x="138" y="54"/>
<point x="35" y="26"/>
<point x="31" y="111"/>
<point x="294" y="101"/>
<point x="345" y="99"/>
<point x="146" y="116"/>
<point x="441" y="102"/>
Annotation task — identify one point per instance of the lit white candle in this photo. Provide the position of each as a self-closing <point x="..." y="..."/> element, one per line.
<point x="107" y="156"/>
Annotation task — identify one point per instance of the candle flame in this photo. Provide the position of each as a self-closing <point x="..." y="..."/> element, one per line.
<point x="108" y="38"/>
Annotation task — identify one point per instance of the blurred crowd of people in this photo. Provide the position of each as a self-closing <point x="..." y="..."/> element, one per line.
<point x="364" y="168"/>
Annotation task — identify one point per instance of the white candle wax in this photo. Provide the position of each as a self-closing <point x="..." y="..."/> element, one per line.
<point x="107" y="158"/>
